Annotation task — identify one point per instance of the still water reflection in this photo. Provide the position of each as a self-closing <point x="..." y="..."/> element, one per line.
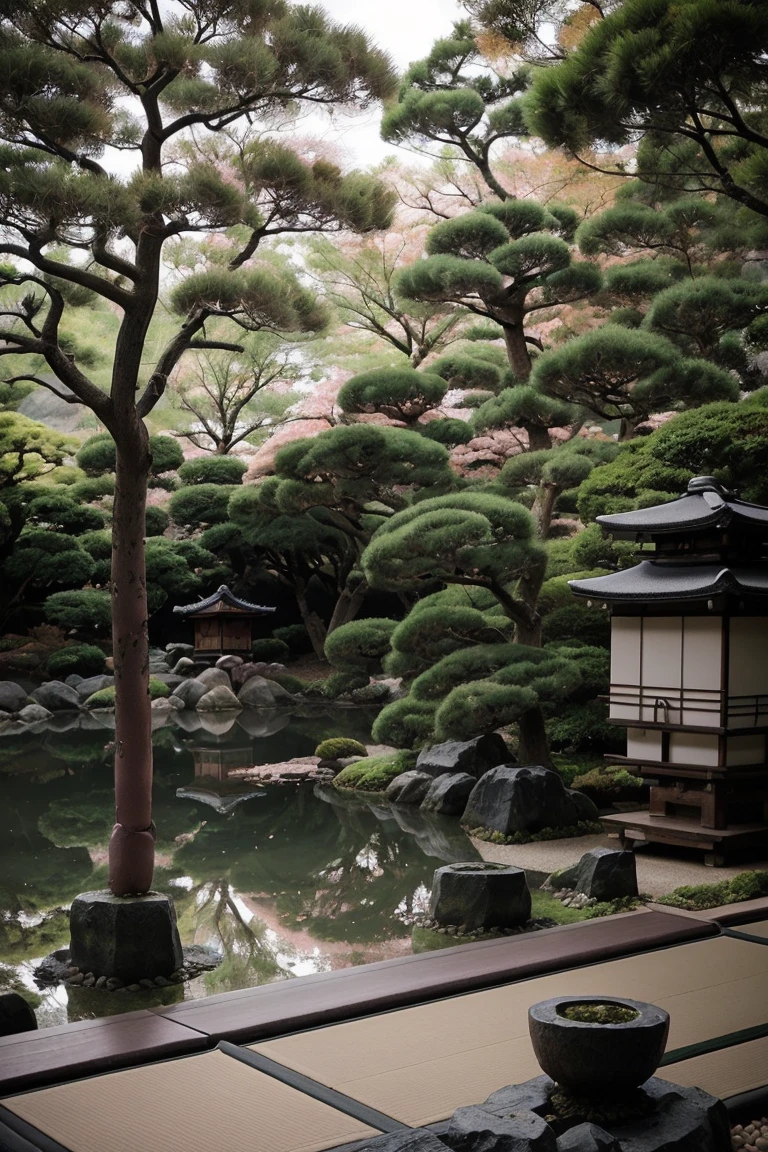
<point x="283" y="880"/>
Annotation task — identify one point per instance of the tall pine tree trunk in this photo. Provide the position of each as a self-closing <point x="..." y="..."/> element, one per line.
<point x="517" y="350"/>
<point x="533" y="745"/>
<point x="132" y="845"/>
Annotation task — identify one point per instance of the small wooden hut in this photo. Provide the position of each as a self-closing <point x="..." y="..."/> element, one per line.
<point x="222" y="624"/>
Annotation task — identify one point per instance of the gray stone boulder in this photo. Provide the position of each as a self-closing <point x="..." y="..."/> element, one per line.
<point x="57" y="696"/>
<point x="130" y="937"/>
<point x="588" y="1138"/>
<point x="448" y="794"/>
<point x="93" y="684"/>
<point x="586" y="809"/>
<point x="176" y="703"/>
<point x="74" y="679"/>
<point x="15" y="1015"/>
<point x="260" y="693"/>
<point x="184" y="666"/>
<point x="607" y="874"/>
<point x="34" y="714"/>
<point x="508" y="799"/>
<point x="227" y="662"/>
<point x="474" y="1129"/>
<point x="684" y="1119"/>
<point x="480" y="896"/>
<point x="213" y="676"/>
<point x="174" y="652"/>
<point x="405" y="1140"/>
<point x="244" y="672"/>
<point x="219" y="699"/>
<point x="12" y="696"/>
<point x="530" y="1096"/>
<point x="474" y="757"/>
<point x="190" y="691"/>
<point x="408" y="788"/>
<point x="170" y="679"/>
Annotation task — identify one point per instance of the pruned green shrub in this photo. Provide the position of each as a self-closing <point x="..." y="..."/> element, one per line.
<point x="88" y="610"/>
<point x="270" y="650"/>
<point x="213" y="470"/>
<point x="83" y="659"/>
<point x="106" y="697"/>
<point x="295" y="636"/>
<point x="291" y="684"/>
<point x="406" y="723"/>
<point x="200" y="504"/>
<point x="360" y="645"/>
<point x="339" y="748"/>
<point x="156" y="521"/>
<point x="607" y="782"/>
<point x="341" y="683"/>
<point x="374" y="773"/>
<point x="584" y="728"/>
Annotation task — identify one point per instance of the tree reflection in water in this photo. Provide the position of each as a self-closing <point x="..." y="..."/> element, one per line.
<point x="293" y="880"/>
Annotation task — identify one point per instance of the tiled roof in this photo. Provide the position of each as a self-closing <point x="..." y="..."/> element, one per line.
<point x="222" y="595"/>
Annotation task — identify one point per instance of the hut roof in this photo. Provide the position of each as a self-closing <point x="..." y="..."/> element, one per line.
<point x="666" y="580"/>
<point x="706" y="505"/>
<point x="222" y="600"/>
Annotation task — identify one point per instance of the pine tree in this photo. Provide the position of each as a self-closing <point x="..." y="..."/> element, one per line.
<point x="77" y="79"/>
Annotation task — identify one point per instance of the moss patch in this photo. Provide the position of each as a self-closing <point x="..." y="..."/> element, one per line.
<point x="375" y="772"/>
<point x="106" y="697"/>
<point x="599" y="1013"/>
<point x="583" y="828"/>
<point x="697" y="897"/>
<point x="339" y="747"/>
<point x="613" y="907"/>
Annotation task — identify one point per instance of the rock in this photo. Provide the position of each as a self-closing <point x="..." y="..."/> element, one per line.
<point x="472" y="756"/>
<point x="56" y="696"/>
<point x="169" y="679"/>
<point x="508" y="799"/>
<point x="448" y="794"/>
<point x="587" y="1138"/>
<point x="227" y="662"/>
<point x="480" y="896"/>
<point x="474" y="1129"/>
<point x="405" y="1140"/>
<point x="607" y="874"/>
<point x="129" y="937"/>
<point x="176" y="703"/>
<point x="93" y="684"/>
<point x="184" y="667"/>
<point x="34" y="714"/>
<point x="530" y="1096"/>
<point x="101" y="982"/>
<point x="408" y="788"/>
<point x="73" y="679"/>
<point x="257" y="692"/>
<point x="15" y="1015"/>
<point x="12" y="696"/>
<point x="162" y="704"/>
<point x="190" y="691"/>
<point x="54" y="969"/>
<point x="211" y="677"/>
<point x="174" y="652"/>
<point x="585" y="808"/>
<point x="685" y="1119"/>
<point x="221" y="698"/>
<point x="374" y="693"/>
<point x="563" y="878"/>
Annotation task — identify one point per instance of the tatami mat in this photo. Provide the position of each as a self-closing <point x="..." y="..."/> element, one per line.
<point x="419" y="1064"/>
<point x="194" y="1104"/>
<point x="729" y="1072"/>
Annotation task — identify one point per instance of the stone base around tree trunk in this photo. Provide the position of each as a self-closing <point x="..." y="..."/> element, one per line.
<point x="130" y="938"/>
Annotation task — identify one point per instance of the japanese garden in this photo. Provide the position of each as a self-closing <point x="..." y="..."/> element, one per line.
<point x="384" y="535"/>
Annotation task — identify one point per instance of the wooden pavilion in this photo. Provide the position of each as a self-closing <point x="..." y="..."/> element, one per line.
<point x="689" y="670"/>
<point x="222" y="624"/>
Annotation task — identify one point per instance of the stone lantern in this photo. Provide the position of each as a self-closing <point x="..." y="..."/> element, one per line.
<point x="689" y="668"/>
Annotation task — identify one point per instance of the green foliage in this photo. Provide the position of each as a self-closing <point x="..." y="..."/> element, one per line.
<point x="584" y="728"/>
<point x="271" y="649"/>
<point x="341" y="684"/>
<point x="463" y="370"/>
<point x="583" y="828"/>
<point x="375" y="773"/>
<point x="574" y="622"/>
<point x="606" y="783"/>
<point x="86" y="611"/>
<point x="339" y="748"/>
<point x="213" y="470"/>
<point x="434" y="628"/>
<point x="405" y="723"/>
<point x="28" y="449"/>
<point x="448" y="431"/>
<point x="106" y="697"/>
<point x="93" y="488"/>
<point x="156" y="520"/>
<point x="698" y="897"/>
<point x="399" y="393"/>
<point x="295" y="636"/>
<point x="200" y="504"/>
<point x="48" y="558"/>
<point x="97" y="454"/>
<point x="360" y="645"/>
<point x="614" y="907"/>
<point x="84" y="659"/>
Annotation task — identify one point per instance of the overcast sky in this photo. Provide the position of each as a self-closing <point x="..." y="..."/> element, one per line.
<point x="406" y="29"/>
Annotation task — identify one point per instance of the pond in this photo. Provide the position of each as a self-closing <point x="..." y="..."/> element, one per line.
<point x="284" y="880"/>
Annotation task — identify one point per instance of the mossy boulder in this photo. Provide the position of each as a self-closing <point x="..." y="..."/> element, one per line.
<point x="106" y="697"/>
<point x="340" y="748"/>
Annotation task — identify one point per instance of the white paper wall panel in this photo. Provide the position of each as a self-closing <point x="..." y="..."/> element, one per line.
<point x="644" y="744"/>
<point x="625" y="664"/>
<point x="693" y="748"/>
<point x="745" y="750"/>
<point x="662" y="668"/>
